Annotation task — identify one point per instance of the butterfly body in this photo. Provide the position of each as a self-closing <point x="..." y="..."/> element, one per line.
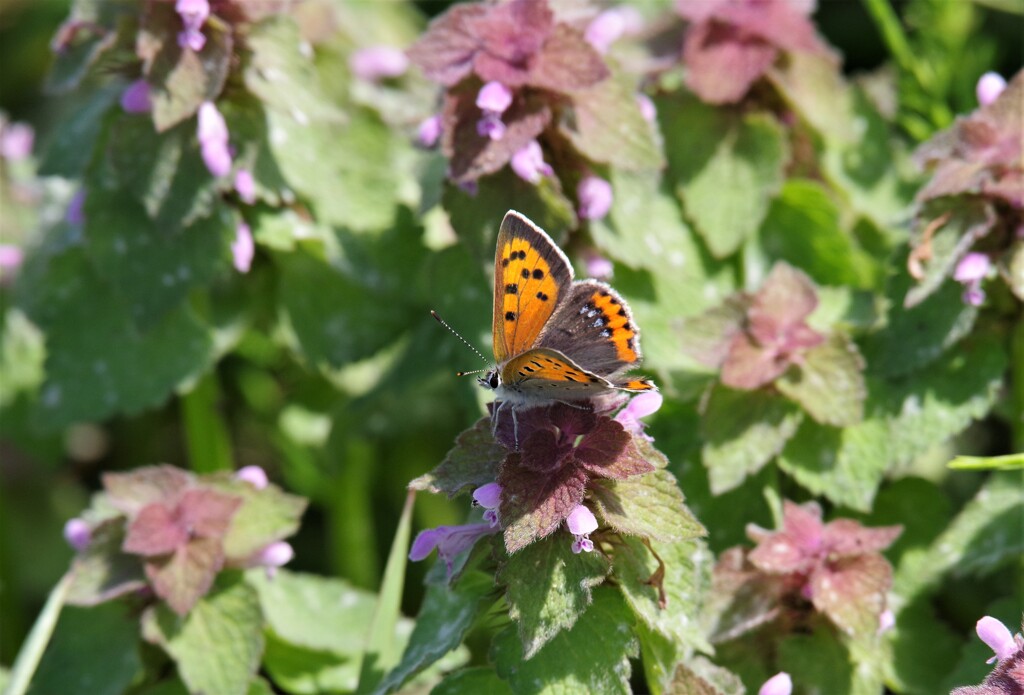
<point x="555" y="339"/>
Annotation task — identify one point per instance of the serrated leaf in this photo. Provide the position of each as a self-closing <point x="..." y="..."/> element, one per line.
<point x="98" y="361"/>
<point x="727" y="168"/>
<point x="263" y="517"/>
<point x="186" y="575"/>
<point x="829" y="382"/>
<point x="846" y="465"/>
<point x="803" y="227"/>
<point x="92" y="650"/>
<point x="592" y="657"/>
<point x="472" y="462"/>
<point x="152" y="265"/>
<point x="445" y="617"/>
<point x="665" y="585"/>
<point x="609" y="128"/>
<point x="72" y="147"/>
<point x="472" y="681"/>
<point x="316" y="613"/>
<point x="742" y="431"/>
<point x="181" y="79"/>
<point x="130" y="491"/>
<point x="217" y="647"/>
<point x="102" y="571"/>
<point x="532" y="506"/>
<point x="648" y="506"/>
<point x="548" y="588"/>
<point x="937" y="250"/>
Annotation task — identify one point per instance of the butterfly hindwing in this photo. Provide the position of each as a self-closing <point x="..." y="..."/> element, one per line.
<point x="594" y="328"/>
<point x="531" y="276"/>
<point x="544" y="371"/>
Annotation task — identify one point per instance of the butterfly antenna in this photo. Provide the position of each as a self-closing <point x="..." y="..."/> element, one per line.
<point x="464" y="342"/>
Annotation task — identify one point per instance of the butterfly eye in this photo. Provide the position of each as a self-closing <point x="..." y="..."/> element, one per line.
<point x="492" y="380"/>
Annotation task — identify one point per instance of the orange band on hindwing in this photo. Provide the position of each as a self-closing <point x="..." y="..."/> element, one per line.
<point x="617" y="322"/>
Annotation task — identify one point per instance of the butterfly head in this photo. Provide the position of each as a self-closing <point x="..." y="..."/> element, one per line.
<point x="490" y="380"/>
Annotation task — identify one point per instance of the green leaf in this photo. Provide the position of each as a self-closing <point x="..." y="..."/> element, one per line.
<point x="98" y="361"/>
<point x="264" y="516"/>
<point x="163" y="171"/>
<point x="742" y="431"/>
<point x="984" y="536"/>
<point x="349" y="172"/>
<point x="924" y="649"/>
<point x="304" y="671"/>
<point x="846" y="465"/>
<point x="217" y="646"/>
<point x="932" y="406"/>
<point x="665" y="585"/>
<point x="93" y="650"/>
<point x="103" y="26"/>
<point x="829" y="382"/>
<point x="649" y="506"/>
<point x="282" y="73"/>
<point x="445" y="617"/>
<point x="702" y="677"/>
<point x="22" y="353"/>
<point x="728" y="167"/>
<point x="592" y="657"/>
<point x="472" y="681"/>
<point x="153" y="267"/>
<point x="316" y="613"/>
<point x="804" y="228"/>
<point x="382" y="652"/>
<point x="609" y="127"/>
<point x="71" y="149"/>
<point x="247" y="123"/>
<point x="548" y="588"/>
<point x="817" y="660"/>
<point x="472" y="462"/>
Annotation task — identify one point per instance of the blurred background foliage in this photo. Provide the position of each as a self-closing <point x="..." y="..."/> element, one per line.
<point x="369" y="400"/>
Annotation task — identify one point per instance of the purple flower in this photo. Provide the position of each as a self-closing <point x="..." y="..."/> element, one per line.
<point x="494" y="97"/>
<point x="605" y="29"/>
<point x="471" y="188"/>
<point x="378" y="62"/>
<point x="779" y="684"/>
<point x="10" y="257"/>
<point x="243" y="248"/>
<point x="490" y="126"/>
<point x="969" y="272"/>
<point x="450" y="541"/>
<point x="489" y="497"/>
<point x="598" y="266"/>
<point x="75" y="214"/>
<point x="595" y="196"/>
<point x="997" y="636"/>
<point x="429" y="131"/>
<point x="272" y="556"/>
<point x="194" y="14"/>
<point x="529" y="164"/>
<point x="16" y="140"/>
<point x="581" y="523"/>
<point x="135" y="98"/>
<point x="78" y="534"/>
<point x="639" y="406"/>
<point x="213" y="139"/>
<point x="990" y="86"/>
<point x="254" y="475"/>
<point x="245" y="185"/>
<point x="886" y="621"/>
<point x="647" y="108"/>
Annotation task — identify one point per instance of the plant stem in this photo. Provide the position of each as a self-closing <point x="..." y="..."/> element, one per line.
<point x="32" y="651"/>
<point x="1017" y="384"/>
<point x="895" y="39"/>
<point x="209" y="446"/>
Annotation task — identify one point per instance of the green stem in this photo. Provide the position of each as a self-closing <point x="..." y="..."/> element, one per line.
<point x="353" y="533"/>
<point x="895" y="39"/>
<point x="32" y="651"/>
<point x="1017" y="384"/>
<point x="209" y="446"/>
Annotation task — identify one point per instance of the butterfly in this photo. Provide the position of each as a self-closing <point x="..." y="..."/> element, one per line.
<point x="555" y="338"/>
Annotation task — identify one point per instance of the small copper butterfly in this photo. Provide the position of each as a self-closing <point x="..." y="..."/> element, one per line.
<point x="555" y="339"/>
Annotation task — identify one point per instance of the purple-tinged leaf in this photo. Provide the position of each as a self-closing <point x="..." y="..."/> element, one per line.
<point x="828" y="382"/>
<point x="155" y="530"/>
<point x="851" y="592"/>
<point x="472" y="462"/>
<point x="845" y="537"/>
<point x="130" y="492"/>
<point x="207" y="513"/>
<point x="185" y="576"/>
<point x="567" y="63"/>
<point x="606" y="452"/>
<point x="707" y="337"/>
<point x="533" y="506"/>
<point x="742" y="597"/>
<point x="445" y="51"/>
<point x="723" y="63"/>
<point x="794" y="547"/>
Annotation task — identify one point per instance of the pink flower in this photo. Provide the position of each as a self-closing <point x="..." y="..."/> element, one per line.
<point x="997" y="636"/>
<point x="605" y="29"/>
<point x="886" y="621"/>
<point x="638" y="407"/>
<point x="194" y="14"/>
<point x="16" y="140"/>
<point x="529" y="164"/>
<point x="647" y="108"/>
<point x="254" y="475"/>
<point x="213" y="139"/>
<point x="274" y="555"/>
<point x="75" y="214"/>
<point x="489" y="497"/>
<point x="990" y="86"/>
<point x="78" y="534"/>
<point x="429" y="131"/>
<point x="10" y="257"/>
<point x="490" y="126"/>
<point x="450" y="541"/>
<point x="378" y="62"/>
<point x="581" y="523"/>
<point x="135" y="98"/>
<point x="595" y="196"/>
<point x="779" y="684"/>
<point x="245" y="185"/>
<point x="970" y="272"/>
<point x="598" y="266"/>
<point x="242" y="248"/>
<point x="494" y="97"/>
